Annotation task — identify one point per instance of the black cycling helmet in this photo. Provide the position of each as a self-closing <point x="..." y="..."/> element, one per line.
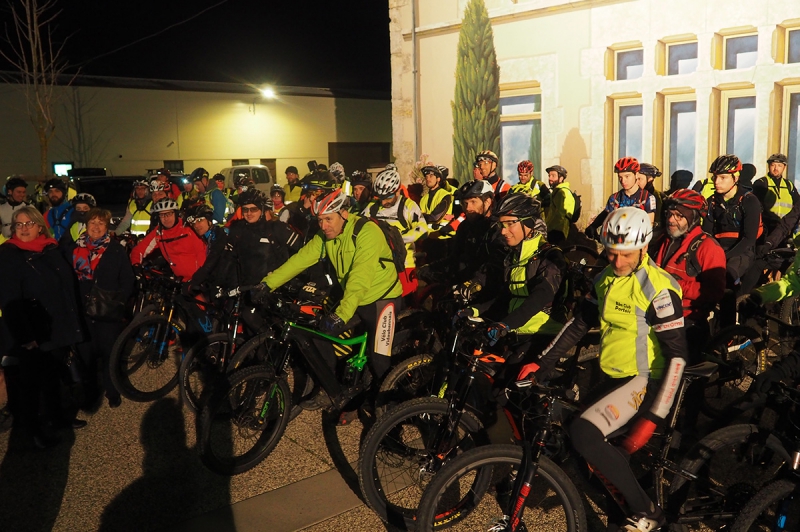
<point x="359" y="177"/>
<point x="198" y="174"/>
<point x="252" y="196"/>
<point x="55" y="183"/>
<point x="196" y="211"/>
<point x="277" y="189"/>
<point x="319" y="180"/>
<point x="649" y="170"/>
<point x="726" y="164"/>
<point x="521" y="205"/>
<point x="777" y="158"/>
<point x="560" y="170"/>
<point x="475" y="189"/>
<point x="15" y="182"/>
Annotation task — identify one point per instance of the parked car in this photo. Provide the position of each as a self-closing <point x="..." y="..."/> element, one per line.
<point x="257" y="172"/>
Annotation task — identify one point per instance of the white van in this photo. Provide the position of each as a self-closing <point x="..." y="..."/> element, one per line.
<point x="257" y="172"/>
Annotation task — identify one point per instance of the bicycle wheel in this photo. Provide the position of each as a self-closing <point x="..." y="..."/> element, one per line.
<point x="243" y="421"/>
<point x="396" y="461"/>
<point x="452" y="500"/>
<point x="412" y="378"/>
<point x="199" y="368"/>
<point x="264" y="349"/>
<point x="577" y="252"/>
<point x="774" y="508"/>
<point x="146" y="357"/>
<point x="739" y="350"/>
<point x="731" y="465"/>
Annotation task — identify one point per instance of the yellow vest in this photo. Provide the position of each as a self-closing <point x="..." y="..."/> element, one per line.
<point x="140" y="222"/>
<point x="779" y="198"/>
<point x="427" y="205"/>
<point x="628" y="345"/>
<point x="77" y="229"/>
<point x="708" y="188"/>
<point x="518" y="286"/>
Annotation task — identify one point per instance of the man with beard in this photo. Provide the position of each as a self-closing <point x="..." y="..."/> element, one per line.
<point x="293" y="186"/>
<point x="16" y="193"/>
<point x="780" y="203"/>
<point x="82" y="204"/>
<point x="694" y="258"/>
<point x="58" y="215"/>
<point x="562" y="205"/>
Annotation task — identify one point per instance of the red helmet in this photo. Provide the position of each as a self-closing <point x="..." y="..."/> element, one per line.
<point x="525" y="167"/>
<point x="627" y="164"/>
<point x="330" y="203"/>
<point x="683" y="199"/>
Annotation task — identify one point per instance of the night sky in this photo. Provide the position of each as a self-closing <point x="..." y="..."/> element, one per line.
<point x="317" y="43"/>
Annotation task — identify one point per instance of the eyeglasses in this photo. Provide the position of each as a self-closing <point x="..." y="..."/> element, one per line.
<point x="20" y="225"/>
<point x="245" y="210"/>
<point x="675" y="214"/>
<point x="166" y="214"/>
<point x="508" y="223"/>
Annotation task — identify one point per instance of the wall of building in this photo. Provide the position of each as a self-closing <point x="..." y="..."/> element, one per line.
<point x="130" y="130"/>
<point x="565" y="51"/>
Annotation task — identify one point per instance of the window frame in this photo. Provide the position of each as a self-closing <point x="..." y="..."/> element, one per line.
<point x="510" y="90"/>
<point x="616" y="62"/>
<point x="670" y="99"/>
<point x="668" y="45"/>
<point x="725" y="96"/>
<point x="618" y="104"/>
<point x="238" y="162"/>
<point x="172" y="164"/>
<point x="726" y="38"/>
<point x="786" y="98"/>
<point x="787" y="41"/>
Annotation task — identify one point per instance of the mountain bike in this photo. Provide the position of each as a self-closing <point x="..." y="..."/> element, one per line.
<point x="246" y="415"/>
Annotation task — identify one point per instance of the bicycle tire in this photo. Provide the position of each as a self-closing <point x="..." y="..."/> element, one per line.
<point x="760" y="512"/>
<point x="257" y="351"/>
<point x="736" y="460"/>
<point x="447" y="502"/>
<point x="133" y="351"/>
<point x="233" y="411"/>
<point x="396" y="443"/>
<point x="732" y="381"/>
<point x="410" y="379"/>
<point x="197" y="371"/>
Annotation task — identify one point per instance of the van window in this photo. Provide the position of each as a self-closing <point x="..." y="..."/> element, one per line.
<point x="260" y="175"/>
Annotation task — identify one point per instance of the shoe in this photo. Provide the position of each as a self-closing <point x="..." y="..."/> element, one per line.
<point x="114" y="402"/>
<point x="321" y="400"/>
<point x="78" y="423"/>
<point x="644" y="523"/>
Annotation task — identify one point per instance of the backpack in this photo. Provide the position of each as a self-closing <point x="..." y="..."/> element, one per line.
<point x="576" y="213"/>
<point x="393" y="239"/>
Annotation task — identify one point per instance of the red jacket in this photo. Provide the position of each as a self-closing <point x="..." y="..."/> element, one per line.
<point x="703" y="291"/>
<point x="179" y="245"/>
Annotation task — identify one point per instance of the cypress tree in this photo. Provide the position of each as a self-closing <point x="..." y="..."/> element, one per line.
<point x="476" y="105"/>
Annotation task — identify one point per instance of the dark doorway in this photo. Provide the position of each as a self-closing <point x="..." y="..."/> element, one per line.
<point x="358" y="155"/>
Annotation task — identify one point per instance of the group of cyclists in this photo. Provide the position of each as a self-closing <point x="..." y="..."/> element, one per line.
<point x="672" y="259"/>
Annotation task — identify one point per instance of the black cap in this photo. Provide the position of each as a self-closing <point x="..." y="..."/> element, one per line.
<point x="291" y="170"/>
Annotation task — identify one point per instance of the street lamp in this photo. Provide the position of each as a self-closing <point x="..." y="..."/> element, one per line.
<point x="267" y="93"/>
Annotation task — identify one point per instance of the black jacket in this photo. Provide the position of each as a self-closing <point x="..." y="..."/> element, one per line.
<point x="38" y="298"/>
<point x="260" y="247"/>
<point x="216" y="271"/>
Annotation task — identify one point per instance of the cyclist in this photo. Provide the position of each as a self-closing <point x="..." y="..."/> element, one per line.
<point x="163" y="176"/>
<point x="734" y="219"/>
<point x="637" y="306"/>
<point x="528" y="183"/>
<point x="337" y="171"/>
<point x="437" y="203"/>
<point x="212" y="196"/>
<point x="188" y="191"/>
<point x="179" y="245"/>
<point x="294" y="188"/>
<point x="562" y="205"/>
<point x="645" y="179"/>
<point x="58" y="215"/>
<point x="780" y="203"/>
<point x="362" y="191"/>
<point x="16" y="194"/>
<point x="630" y="195"/>
<point x="215" y="271"/>
<point x="137" y="215"/>
<point x="363" y="264"/>
<point x="486" y="162"/>
<point x="533" y="273"/>
<point x="277" y="194"/>
<point x="298" y="214"/>
<point x="82" y="203"/>
<point x="399" y="211"/>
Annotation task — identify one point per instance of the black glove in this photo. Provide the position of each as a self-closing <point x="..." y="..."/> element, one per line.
<point x="331" y="324"/>
<point x="260" y="294"/>
<point x="751" y="304"/>
<point x="763" y="250"/>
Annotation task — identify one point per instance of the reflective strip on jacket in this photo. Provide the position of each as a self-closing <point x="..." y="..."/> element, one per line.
<point x="541" y="322"/>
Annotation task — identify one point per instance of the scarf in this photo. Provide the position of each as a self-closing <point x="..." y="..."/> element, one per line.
<point x="36" y="245"/>
<point x="87" y="254"/>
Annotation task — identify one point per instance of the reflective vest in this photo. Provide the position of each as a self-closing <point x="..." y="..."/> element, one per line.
<point x="541" y="322"/>
<point x="628" y="345"/>
<point x="140" y="220"/>
<point x="778" y="197"/>
<point x="76" y="230"/>
<point x="429" y="202"/>
<point x="708" y="188"/>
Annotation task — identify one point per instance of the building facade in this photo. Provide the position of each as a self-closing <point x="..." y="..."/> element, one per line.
<point x="129" y="126"/>
<point x="672" y="82"/>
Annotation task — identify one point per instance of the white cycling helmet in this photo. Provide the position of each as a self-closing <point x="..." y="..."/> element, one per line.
<point x="157" y="186"/>
<point x="627" y="229"/>
<point x="387" y="183"/>
<point x="330" y="203"/>
<point x="166" y="204"/>
<point x="337" y="170"/>
<point x="86" y="198"/>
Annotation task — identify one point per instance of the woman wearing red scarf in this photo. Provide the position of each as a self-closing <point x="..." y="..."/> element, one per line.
<point x="39" y="323"/>
<point x="99" y="260"/>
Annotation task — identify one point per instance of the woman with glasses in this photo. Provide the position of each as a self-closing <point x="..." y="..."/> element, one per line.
<point x="39" y="324"/>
